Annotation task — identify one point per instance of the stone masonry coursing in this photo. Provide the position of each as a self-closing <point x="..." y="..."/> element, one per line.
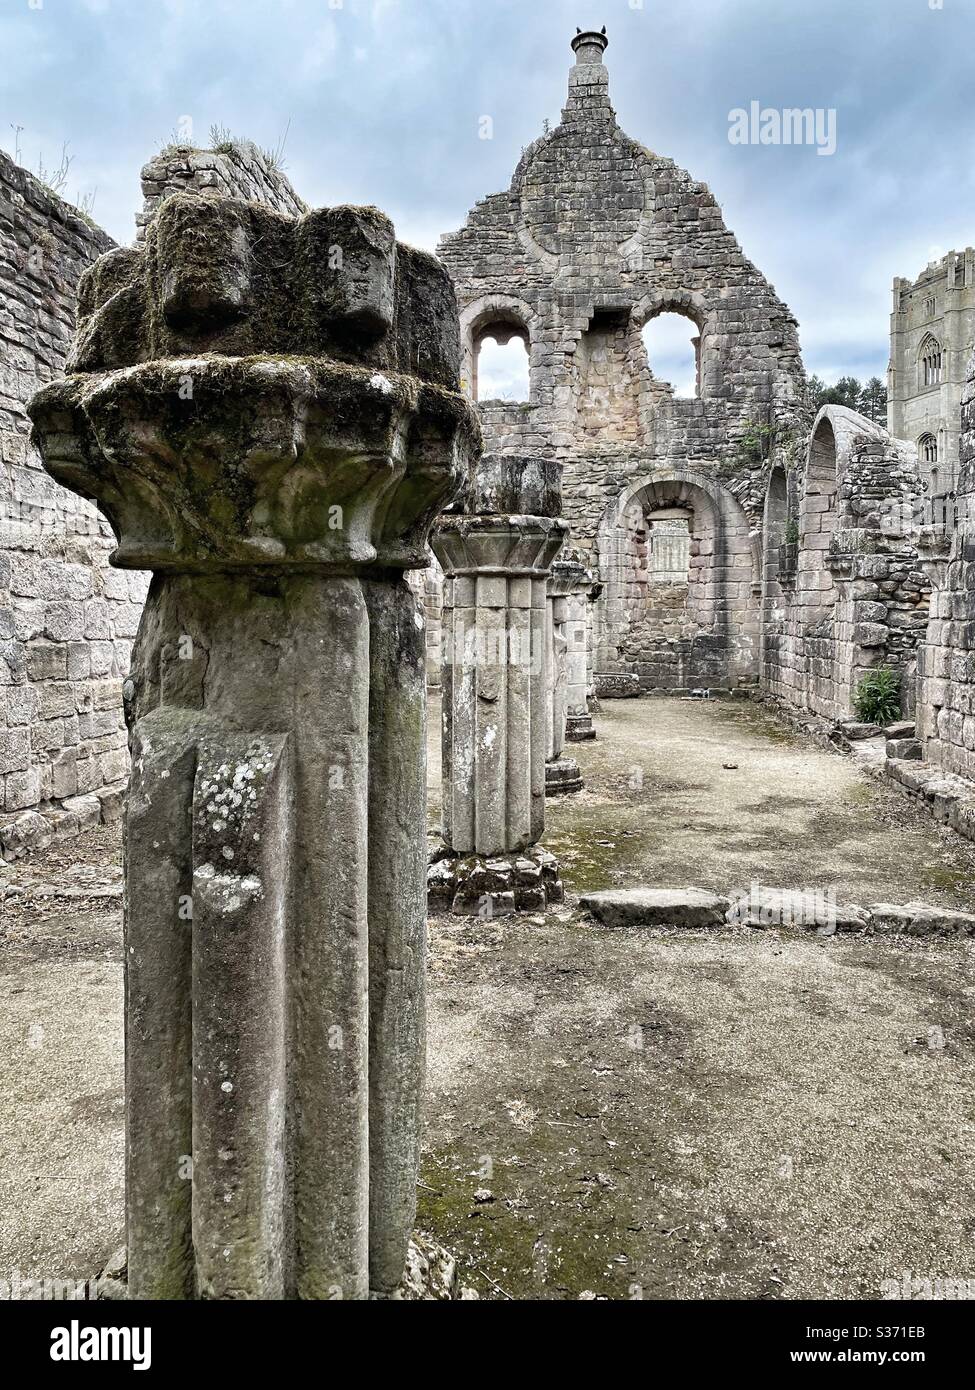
<point x="67" y="619"/>
<point x="946" y="686"/>
<point x="595" y="237"/>
<point x="807" y="560"/>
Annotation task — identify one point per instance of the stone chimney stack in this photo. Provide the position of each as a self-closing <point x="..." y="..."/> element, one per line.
<point x="589" y="77"/>
<point x="589" y="47"/>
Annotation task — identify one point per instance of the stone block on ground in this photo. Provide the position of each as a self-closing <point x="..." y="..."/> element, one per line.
<point x="920" y="919"/>
<point x="788" y="907"/>
<point x="907" y="748"/>
<point x="25" y="833"/>
<point x="656" y="907"/>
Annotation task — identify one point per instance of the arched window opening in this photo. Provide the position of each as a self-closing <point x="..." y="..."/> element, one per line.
<point x="927" y="447"/>
<point x="930" y="362"/>
<point x="781" y="539"/>
<point x="817" y="522"/>
<point x="501" y="363"/>
<point x="673" y="347"/>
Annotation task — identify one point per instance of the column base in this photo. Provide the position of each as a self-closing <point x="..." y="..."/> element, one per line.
<point x="579" y="728"/>
<point x="474" y="885"/>
<point x="562" y="775"/>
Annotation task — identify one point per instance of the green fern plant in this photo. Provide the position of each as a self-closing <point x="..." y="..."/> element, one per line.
<point x="878" y="697"/>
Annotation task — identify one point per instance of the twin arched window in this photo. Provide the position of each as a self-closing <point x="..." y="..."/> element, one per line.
<point x="500" y="366"/>
<point x="927" y="448"/>
<point x="930" y="358"/>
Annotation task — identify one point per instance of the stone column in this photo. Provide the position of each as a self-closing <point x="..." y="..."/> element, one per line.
<point x="496" y="555"/>
<point x="577" y="584"/>
<point x="566" y="671"/>
<point x="265" y="407"/>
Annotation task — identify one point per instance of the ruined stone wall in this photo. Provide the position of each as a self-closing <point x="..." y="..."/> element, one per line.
<point x="66" y="619"/>
<point x="241" y="170"/>
<point x="595" y="237"/>
<point x="946" y="685"/>
<point x="847" y="593"/>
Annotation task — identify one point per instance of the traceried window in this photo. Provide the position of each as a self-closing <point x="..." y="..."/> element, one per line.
<point x="930" y="362"/>
<point x="927" y="447"/>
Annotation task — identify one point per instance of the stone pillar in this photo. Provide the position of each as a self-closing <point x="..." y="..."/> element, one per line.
<point x="265" y="407"/>
<point x="577" y="583"/>
<point x="496" y="556"/>
<point x="566" y="649"/>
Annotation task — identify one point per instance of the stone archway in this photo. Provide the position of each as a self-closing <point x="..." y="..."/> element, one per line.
<point x="654" y="628"/>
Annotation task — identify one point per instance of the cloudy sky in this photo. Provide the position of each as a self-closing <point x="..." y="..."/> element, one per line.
<point x="382" y="101"/>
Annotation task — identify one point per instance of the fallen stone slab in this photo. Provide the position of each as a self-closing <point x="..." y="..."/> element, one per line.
<point x="901" y="728"/>
<point x="656" y="907"/>
<point x="920" y="919"/>
<point x="787" y="907"/>
<point x="27" y="832"/>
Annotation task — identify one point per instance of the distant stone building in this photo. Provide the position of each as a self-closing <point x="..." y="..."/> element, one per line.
<point x="932" y="333"/>
<point x="596" y="237"/>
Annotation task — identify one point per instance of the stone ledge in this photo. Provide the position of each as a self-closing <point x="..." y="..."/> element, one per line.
<point x="36" y="829"/>
<point x="949" y="798"/>
<point x="694" y="908"/>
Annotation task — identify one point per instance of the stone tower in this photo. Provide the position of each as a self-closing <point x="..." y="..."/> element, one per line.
<point x="932" y="333"/>
<point x="595" y="237"/>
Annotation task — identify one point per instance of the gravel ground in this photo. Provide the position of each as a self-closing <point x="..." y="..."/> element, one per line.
<point x="739" y="1114"/>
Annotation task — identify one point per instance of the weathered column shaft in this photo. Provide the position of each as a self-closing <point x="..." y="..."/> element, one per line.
<point x="497" y="708"/>
<point x="258" y="440"/>
<point x="568" y="586"/>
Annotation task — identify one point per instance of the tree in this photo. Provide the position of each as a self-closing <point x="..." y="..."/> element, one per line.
<point x="869" y="400"/>
<point x="873" y="401"/>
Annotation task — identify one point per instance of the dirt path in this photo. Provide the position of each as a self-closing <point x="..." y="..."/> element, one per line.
<point x="661" y="806"/>
<point x="740" y="1115"/>
<point x="744" y="1114"/>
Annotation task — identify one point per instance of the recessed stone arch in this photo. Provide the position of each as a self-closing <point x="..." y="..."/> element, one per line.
<point x="817" y="521"/>
<point x="779" y="558"/>
<point x="665" y="638"/>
